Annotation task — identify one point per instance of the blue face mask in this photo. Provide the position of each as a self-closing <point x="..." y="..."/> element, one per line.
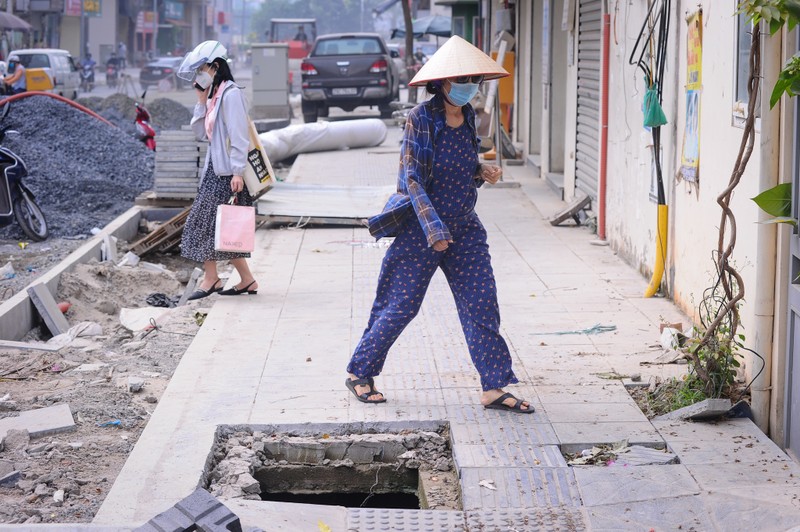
<point x="461" y="93"/>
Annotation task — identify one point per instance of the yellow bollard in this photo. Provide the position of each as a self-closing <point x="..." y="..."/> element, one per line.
<point x="661" y="252"/>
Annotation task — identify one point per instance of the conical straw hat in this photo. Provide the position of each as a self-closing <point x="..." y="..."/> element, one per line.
<point x="456" y="58"/>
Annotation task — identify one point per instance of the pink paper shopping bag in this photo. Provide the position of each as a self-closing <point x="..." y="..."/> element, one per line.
<point x="236" y="228"/>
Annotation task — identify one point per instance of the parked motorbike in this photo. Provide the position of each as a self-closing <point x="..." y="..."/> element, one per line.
<point x="144" y="131"/>
<point x="87" y="78"/>
<point x="17" y="200"/>
<point x="112" y="75"/>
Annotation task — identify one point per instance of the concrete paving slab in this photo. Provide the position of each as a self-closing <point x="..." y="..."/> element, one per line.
<point x="746" y="475"/>
<point x="741" y="511"/>
<point x="286" y="517"/>
<point x="726" y="452"/>
<point x="518" y="488"/>
<point x="600" y="485"/>
<point x="381" y="520"/>
<point x="590" y="393"/>
<point x="576" y="436"/>
<point x="504" y="454"/>
<point x="595" y="412"/>
<point x="556" y="519"/>
<point x="41" y="422"/>
<point x="677" y="513"/>
<point x="505" y="428"/>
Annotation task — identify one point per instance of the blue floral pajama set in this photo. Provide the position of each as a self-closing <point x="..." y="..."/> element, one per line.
<point x="437" y="192"/>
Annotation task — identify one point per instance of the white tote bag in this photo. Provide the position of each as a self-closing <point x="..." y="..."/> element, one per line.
<point x="258" y="174"/>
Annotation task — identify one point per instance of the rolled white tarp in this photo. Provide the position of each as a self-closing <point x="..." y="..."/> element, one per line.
<point x="283" y="143"/>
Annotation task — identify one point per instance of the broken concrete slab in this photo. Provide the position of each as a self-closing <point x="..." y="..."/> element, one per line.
<point x="9" y="479"/>
<point x="41" y="422"/>
<point x="48" y="309"/>
<point x="638" y="455"/>
<point x="707" y="409"/>
<point x="190" y="286"/>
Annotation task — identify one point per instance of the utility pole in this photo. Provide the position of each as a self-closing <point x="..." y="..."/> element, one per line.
<point x="82" y="45"/>
<point x="409" y="25"/>
<point x="155" y="28"/>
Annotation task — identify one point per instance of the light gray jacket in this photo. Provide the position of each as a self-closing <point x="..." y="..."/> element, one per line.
<point x="230" y="137"/>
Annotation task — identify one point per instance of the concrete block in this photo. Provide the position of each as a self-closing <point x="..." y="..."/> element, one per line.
<point x="708" y="409"/>
<point x="9" y="479"/>
<point x="135" y="384"/>
<point x="638" y="455"/>
<point x="196" y="273"/>
<point x="198" y="511"/>
<point x="42" y="422"/>
<point x="47" y="307"/>
<point x="303" y="453"/>
<point x="337" y="450"/>
<point x="362" y="452"/>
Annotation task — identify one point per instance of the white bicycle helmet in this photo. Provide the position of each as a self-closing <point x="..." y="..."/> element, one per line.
<point x="203" y="53"/>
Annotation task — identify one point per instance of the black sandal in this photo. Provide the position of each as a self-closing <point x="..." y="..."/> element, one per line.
<point x="233" y="291"/>
<point x="364" y="397"/>
<point x="200" y="293"/>
<point x="498" y="404"/>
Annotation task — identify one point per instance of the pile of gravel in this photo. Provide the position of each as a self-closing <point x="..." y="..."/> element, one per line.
<point x="119" y="109"/>
<point x="168" y="114"/>
<point x="83" y="172"/>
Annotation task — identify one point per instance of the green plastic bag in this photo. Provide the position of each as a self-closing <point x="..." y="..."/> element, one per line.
<point x="653" y="113"/>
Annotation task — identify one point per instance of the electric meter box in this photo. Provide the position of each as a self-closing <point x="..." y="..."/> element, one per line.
<point x="271" y="81"/>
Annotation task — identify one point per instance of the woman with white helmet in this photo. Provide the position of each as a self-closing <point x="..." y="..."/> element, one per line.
<point x="220" y="117"/>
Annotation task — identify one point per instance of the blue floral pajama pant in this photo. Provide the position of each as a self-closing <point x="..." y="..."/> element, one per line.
<point x="406" y="272"/>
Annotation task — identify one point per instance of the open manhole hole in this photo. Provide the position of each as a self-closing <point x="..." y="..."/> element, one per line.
<point x="617" y="454"/>
<point x="386" y="465"/>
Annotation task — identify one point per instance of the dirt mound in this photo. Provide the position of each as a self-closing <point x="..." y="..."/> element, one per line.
<point x="97" y="292"/>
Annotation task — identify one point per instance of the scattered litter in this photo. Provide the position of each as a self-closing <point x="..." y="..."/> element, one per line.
<point x="672" y="338"/>
<point x="596" y="329"/>
<point x="130" y="259"/>
<point x="7" y="271"/>
<point x="115" y="423"/>
<point x="611" y="375"/>
<point x="600" y="454"/>
<point x="200" y="317"/>
<point x="149" y="266"/>
<point x="137" y="319"/>
<point x="83" y="329"/>
<point x="161" y="300"/>
<point x="670" y="356"/>
<point x="488" y="484"/>
<point x="22" y="245"/>
<point x="135" y="384"/>
<point x="64" y="306"/>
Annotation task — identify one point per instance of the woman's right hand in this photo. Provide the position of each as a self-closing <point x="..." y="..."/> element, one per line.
<point x="202" y="96"/>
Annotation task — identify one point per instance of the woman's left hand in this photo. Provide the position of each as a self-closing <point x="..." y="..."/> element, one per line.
<point x="237" y="184"/>
<point x="490" y="173"/>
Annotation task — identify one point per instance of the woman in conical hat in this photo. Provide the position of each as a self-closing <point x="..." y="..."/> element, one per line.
<point x="433" y="218"/>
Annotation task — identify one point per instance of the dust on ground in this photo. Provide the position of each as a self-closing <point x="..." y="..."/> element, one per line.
<point x="65" y="478"/>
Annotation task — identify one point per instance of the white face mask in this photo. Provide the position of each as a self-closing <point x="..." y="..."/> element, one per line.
<point x="203" y="80"/>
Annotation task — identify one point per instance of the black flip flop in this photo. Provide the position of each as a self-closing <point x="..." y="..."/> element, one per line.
<point x="498" y="404"/>
<point x="364" y="397"/>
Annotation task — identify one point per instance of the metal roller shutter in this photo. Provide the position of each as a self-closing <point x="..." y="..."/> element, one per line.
<point x="588" y="134"/>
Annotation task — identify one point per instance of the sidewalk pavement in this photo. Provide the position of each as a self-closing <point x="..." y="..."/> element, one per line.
<point x="279" y="358"/>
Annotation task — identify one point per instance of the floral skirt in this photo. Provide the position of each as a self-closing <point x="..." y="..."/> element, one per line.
<point x="197" y="242"/>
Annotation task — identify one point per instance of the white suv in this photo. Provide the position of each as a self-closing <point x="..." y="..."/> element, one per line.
<point x="59" y="64"/>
